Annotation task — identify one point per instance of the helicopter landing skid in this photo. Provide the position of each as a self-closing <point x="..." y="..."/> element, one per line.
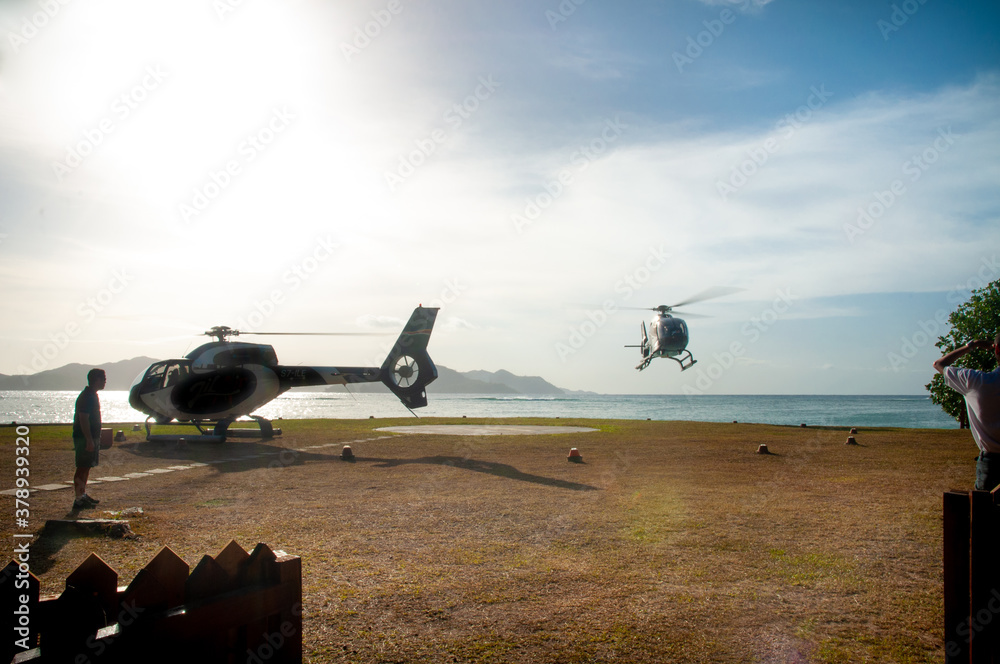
<point x="266" y="432"/>
<point x="180" y="438"/>
<point x="217" y="433"/>
<point x="686" y="360"/>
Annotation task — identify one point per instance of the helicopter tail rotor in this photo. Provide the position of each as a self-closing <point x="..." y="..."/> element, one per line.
<point x="408" y="369"/>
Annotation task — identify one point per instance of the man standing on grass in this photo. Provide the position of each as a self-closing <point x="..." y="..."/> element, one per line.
<point x="982" y="399"/>
<point x="87" y="436"/>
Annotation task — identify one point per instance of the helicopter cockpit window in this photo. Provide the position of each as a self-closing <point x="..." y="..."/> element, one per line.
<point x="154" y="377"/>
<point x="165" y="374"/>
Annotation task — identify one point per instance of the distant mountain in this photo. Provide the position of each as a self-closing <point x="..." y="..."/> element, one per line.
<point x="519" y="384"/>
<point x="121" y="374"/>
<point x="450" y="381"/>
<point x="74" y="376"/>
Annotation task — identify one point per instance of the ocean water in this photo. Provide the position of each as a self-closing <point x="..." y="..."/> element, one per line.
<point x="909" y="411"/>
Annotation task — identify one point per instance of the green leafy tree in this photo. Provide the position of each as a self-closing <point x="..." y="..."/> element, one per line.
<point x="977" y="318"/>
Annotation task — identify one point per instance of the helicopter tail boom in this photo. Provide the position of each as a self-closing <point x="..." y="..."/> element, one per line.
<point x="406" y="371"/>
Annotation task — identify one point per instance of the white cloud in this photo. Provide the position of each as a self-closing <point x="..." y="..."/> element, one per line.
<point x="453" y="323"/>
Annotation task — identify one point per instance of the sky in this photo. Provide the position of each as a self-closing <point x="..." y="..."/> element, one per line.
<point x="539" y="170"/>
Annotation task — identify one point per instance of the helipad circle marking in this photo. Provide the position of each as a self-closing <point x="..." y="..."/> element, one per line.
<point x="485" y="429"/>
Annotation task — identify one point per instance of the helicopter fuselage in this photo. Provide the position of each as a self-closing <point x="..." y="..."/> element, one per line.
<point x="669" y="336"/>
<point x="217" y="381"/>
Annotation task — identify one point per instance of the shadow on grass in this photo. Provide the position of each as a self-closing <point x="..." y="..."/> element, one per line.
<point x="44" y="550"/>
<point x="227" y="457"/>
<point x="51" y="540"/>
<point x="490" y="468"/>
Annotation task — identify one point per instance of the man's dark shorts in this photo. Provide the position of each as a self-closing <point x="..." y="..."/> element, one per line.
<point x="85" y="459"/>
<point x="987" y="471"/>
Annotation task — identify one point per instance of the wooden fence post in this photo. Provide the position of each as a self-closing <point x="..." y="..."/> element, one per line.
<point x="982" y="560"/>
<point x="971" y="577"/>
<point x="957" y="509"/>
<point x="290" y="573"/>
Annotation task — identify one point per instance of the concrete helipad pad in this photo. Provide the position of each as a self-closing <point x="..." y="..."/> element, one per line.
<point x="485" y="429"/>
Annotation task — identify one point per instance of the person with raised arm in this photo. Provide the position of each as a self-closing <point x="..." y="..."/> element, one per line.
<point x="981" y="390"/>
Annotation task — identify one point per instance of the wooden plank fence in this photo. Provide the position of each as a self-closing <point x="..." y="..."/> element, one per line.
<point x="235" y="607"/>
<point x="972" y="577"/>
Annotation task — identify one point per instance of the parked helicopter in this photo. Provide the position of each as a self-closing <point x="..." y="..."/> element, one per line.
<point x="220" y="381"/>
<point x="669" y="334"/>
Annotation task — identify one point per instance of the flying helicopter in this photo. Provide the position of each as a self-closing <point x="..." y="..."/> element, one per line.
<point x="223" y="380"/>
<point x="669" y="335"/>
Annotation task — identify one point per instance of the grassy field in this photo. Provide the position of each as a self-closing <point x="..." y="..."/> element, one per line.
<point x="672" y="542"/>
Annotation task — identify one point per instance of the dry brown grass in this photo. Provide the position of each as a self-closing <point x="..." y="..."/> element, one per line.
<point x="674" y="541"/>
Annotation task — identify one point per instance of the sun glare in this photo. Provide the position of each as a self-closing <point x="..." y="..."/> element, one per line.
<point x="176" y="107"/>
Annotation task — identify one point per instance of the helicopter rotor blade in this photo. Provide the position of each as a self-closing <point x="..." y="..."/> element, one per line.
<point x="223" y="332"/>
<point x="322" y="334"/>
<point x="708" y="294"/>
<point x="671" y="311"/>
<point x="687" y="314"/>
